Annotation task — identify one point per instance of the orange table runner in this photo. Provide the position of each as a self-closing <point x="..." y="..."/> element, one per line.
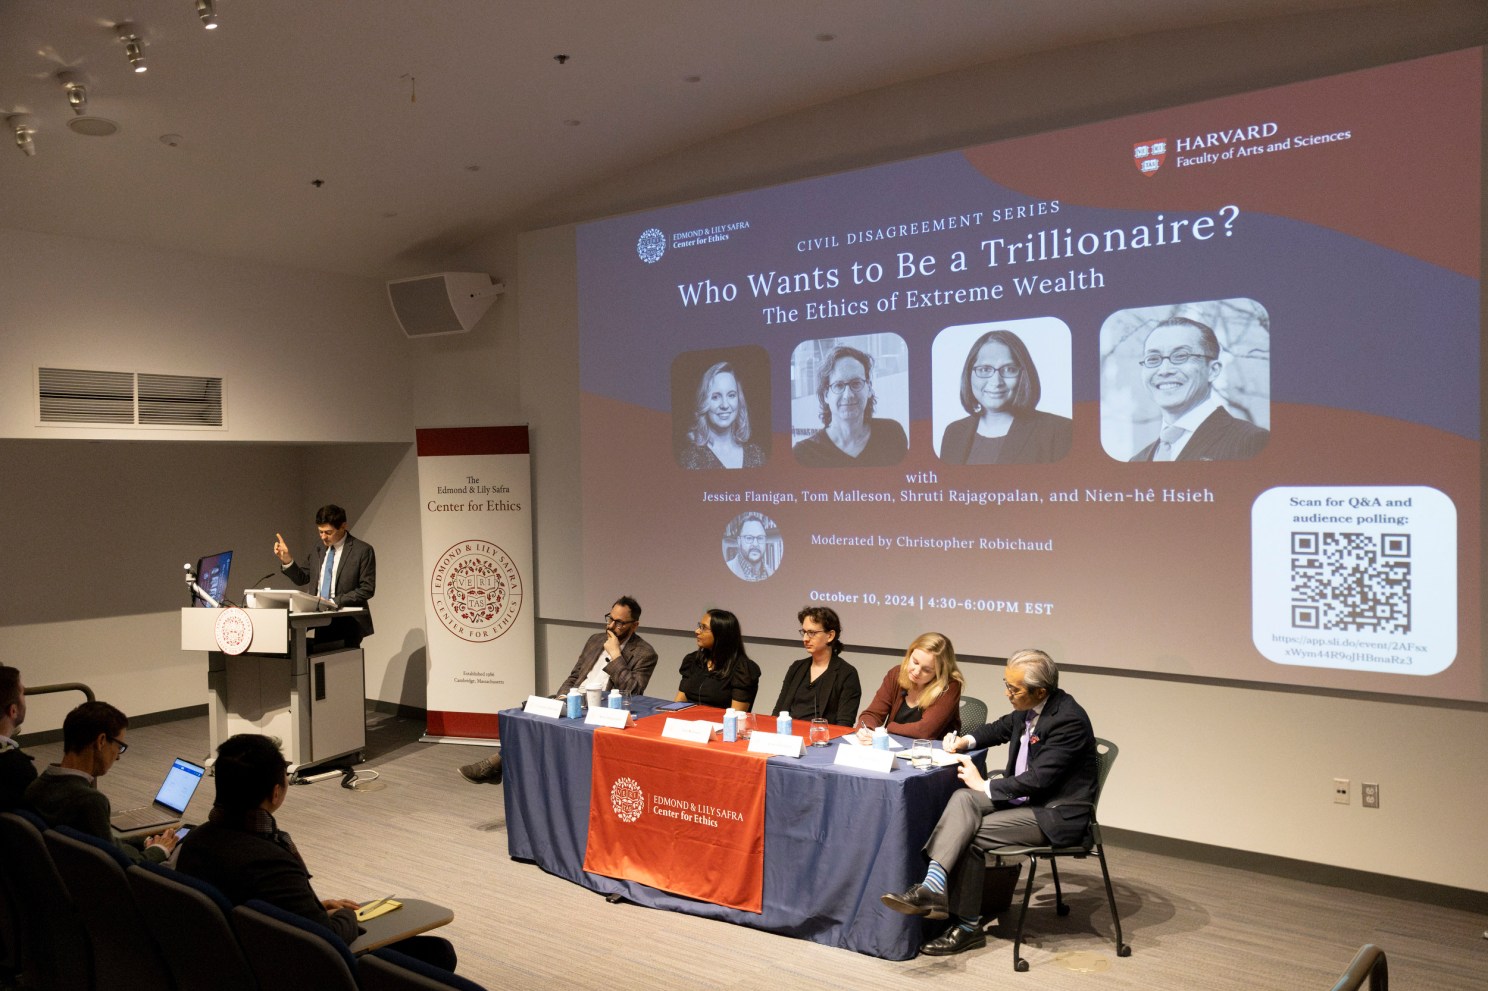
<point x="688" y="818"/>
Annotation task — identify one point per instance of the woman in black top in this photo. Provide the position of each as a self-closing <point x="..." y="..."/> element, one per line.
<point x="719" y="673"/>
<point x="823" y="684"/>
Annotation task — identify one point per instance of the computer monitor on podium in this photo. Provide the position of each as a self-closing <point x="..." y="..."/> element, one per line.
<point x="211" y="576"/>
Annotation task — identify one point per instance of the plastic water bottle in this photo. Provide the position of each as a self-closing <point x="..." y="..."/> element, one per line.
<point x="575" y="703"/>
<point x="730" y="725"/>
<point x="614" y="699"/>
<point x="783" y="723"/>
<point x="880" y="738"/>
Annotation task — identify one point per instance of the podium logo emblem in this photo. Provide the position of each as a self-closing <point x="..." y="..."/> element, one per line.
<point x="233" y="631"/>
<point x="476" y="589"/>
<point x="627" y="799"/>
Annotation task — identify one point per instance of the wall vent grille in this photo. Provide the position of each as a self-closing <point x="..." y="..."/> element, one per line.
<point x="146" y="399"/>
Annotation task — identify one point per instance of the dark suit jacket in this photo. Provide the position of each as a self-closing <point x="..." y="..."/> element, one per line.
<point x="1220" y="437"/>
<point x="1034" y="437"/>
<point x="1062" y="766"/>
<point x="630" y="672"/>
<point x="17" y="770"/>
<point x="244" y="865"/>
<point x="356" y="577"/>
<point x="838" y="691"/>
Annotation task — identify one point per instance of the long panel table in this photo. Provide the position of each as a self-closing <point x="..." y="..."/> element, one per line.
<point x="835" y="838"/>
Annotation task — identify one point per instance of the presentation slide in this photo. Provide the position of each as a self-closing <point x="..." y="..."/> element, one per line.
<point x="1194" y="392"/>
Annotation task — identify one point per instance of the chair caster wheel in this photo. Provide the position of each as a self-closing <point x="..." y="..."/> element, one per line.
<point x="1123" y="950"/>
<point x="1021" y="966"/>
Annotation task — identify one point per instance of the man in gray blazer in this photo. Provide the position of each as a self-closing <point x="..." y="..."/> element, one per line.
<point x="614" y="659"/>
<point x="342" y="570"/>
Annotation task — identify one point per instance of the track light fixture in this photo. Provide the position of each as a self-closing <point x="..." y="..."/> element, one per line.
<point x="134" y="49"/>
<point x="205" y="9"/>
<point x="23" y="126"/>
<point x="77" y="93"/>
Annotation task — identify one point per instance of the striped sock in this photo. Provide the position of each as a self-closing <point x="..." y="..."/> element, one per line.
<point x="970" y="925"/>
<point x="935" y="878"/>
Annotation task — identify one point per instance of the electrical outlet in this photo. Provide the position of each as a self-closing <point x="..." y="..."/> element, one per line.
<point x="1369" y="794"/>
<point x="1341" y="790"/>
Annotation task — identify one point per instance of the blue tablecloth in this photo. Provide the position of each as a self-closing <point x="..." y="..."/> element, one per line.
<point x="835" y="838"/>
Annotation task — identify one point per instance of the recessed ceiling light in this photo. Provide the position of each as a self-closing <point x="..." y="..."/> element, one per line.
<point x="93" y="127"/>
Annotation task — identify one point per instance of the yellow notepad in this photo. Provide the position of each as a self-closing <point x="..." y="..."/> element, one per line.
<point x="372" y="910"/>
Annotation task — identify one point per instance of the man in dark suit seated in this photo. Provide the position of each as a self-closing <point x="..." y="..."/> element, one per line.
<point x="17" y="768"/>
<point x="614" y="659"/>
<point x="344" y="572"/>
<point x="1180" y="362"/>
<point x="1052" y="763"/>
<point x="241" y="851"/>
<point x="66" y="793"/>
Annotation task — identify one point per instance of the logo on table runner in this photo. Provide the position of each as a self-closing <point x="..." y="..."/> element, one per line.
<point x="477" y="590"/>
<point x="627" y="799"/>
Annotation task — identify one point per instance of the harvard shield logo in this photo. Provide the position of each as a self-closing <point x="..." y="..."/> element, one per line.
<point x="1148" y="155"/>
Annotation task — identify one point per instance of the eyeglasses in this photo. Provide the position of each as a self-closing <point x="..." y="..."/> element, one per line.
<point x="1014" y="689"/>
<point x="752" y="538"/>
<point x="810" y="634"/>
<point x="120" y="744"/>
<point x="1005" y="372"/>
<point x="612" y="621"/>
<point x="1178" y="356"/>
<point x="700" y="628"/>
<point x="854" y="386"/>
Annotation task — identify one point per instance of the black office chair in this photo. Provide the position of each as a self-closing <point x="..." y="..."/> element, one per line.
<point x="1368" y="964"/>
<point x="1107" y="752"/>
<point x="57" y="953"/>
<point x="125" y="957"/>
<point x="189" y="920"/>
<point x="388" y="970"/>
<point x="291" y="953"/>
<point x="973" y="713"/>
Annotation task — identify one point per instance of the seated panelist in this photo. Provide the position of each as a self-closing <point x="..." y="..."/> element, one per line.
<point x="719" y="672"/>
<point x="921" y="696"/>
<point x="822" y="685"/>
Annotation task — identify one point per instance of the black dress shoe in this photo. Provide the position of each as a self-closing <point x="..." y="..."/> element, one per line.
<point x="918" y="900"/>
<point x="954" y="940"/>
<point x="484" y="770"/>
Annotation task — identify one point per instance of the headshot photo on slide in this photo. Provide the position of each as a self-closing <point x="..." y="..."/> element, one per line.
<point x="1186" y="381"/>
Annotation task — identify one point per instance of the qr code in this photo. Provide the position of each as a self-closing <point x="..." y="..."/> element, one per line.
<point x="1351" y="582"/>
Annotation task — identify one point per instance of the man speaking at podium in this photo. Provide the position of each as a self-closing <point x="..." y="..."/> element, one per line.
<point x="344" y="572"/>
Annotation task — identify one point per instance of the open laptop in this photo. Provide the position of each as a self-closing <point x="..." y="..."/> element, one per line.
<point x="170" y="802"/>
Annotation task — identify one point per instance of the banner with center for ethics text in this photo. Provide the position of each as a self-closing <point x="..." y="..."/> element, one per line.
<point x="475" y="492"/>
<point x="685" y="818"/>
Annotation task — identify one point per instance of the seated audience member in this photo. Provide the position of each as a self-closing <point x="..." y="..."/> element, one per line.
<point x="921" y="696"/>
<point x="1042" y="797"/>
<point x="241" y="851"/>
<point x="615" y="658"/>
<point x="17" y="768"/>
<point x="822" y="685"/>
<point x="66" y="794"/>
<point x="719" y="673"/>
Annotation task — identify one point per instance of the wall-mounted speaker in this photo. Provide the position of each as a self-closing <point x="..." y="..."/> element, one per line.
<point x="443" y="303"/>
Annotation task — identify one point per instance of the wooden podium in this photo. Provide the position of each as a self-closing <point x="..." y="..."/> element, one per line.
<point x="315" y="704"/>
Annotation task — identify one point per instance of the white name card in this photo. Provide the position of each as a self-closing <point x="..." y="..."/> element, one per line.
<point x="865" y="758"/>
<point x="601" y="715"/>
<point x="779" y="744"/>
<point x="539" y="705"/>
<point x="691" y="730"/>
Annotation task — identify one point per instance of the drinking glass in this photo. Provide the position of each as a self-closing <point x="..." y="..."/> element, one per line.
<point x="920" y="754"/>
<point x="819" y="732"/>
